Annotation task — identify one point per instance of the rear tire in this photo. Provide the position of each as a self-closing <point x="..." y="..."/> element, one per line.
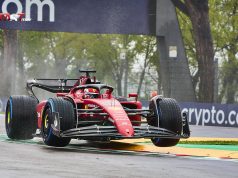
<point x="66" y="114"/>
<point x="21" y="117"/>
<point x="168" y="117"/>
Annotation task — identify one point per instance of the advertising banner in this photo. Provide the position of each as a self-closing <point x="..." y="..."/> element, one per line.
<point x="86" y="16"/>
<point x="206" y="114"/>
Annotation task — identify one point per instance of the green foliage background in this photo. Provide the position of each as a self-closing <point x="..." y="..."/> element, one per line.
<point x="45" y="55"/>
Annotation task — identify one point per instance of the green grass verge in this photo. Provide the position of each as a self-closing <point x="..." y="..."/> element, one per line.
<point x="213" y="142"/>
<point x="2" y="112"/>
<point x="213" y="146"/>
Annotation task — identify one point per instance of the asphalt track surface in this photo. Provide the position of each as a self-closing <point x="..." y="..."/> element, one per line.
<point x="81" y="159"/>
<point x="214" y="132"/>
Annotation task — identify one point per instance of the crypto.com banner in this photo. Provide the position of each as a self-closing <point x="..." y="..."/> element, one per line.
<point x="204" y="114"/>
<point x="86" y="16"/>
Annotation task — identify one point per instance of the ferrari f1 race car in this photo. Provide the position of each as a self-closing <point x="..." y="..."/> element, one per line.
<point x="88" y="110"/>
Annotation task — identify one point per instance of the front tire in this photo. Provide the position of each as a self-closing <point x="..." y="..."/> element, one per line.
<point x="167" y="115"/>
<point x="66" y="115"/>
<point x="21" y="117"/>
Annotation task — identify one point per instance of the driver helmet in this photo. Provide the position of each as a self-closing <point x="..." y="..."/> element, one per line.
<point x="91" y="93"/>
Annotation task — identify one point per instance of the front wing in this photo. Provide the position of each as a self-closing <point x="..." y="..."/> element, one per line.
<point x="111" y="133"/>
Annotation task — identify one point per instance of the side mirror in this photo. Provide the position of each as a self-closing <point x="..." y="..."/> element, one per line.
<point x="131" y="95"/>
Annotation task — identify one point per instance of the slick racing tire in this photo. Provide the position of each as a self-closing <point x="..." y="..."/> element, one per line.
<point x="66" y="114"/>
<point x="21" y="117"/>
<point x="169" y="118"/>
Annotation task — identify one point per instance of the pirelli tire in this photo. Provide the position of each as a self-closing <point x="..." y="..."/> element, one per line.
<point x="65" y="110"/>
<point x="167" y="115"/>
<point x="21" y="117"/>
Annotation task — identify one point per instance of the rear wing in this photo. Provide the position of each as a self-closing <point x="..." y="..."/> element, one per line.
<point x="62" y="87"/>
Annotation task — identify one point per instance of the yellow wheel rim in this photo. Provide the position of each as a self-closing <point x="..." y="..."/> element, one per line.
<point x="8" y="117"/>
<point x="46" y="121"/>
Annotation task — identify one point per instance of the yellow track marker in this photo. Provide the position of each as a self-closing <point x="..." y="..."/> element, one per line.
<point x="133" y="145"/>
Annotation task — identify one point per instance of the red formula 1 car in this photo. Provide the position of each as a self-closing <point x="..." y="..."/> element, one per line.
<point x="88" y="110"/>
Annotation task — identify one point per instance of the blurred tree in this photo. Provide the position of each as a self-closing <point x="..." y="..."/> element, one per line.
<point x="146" y="49"/>
<point x="105" y="55"/>
<point x="198" y="13"/>
<point x="8" y="71"/>
<point x="62" y="52"/>
<point x="224" y="18"/>
<point x="35" y="54"/>
<point x="47" y="54"/>
<point x="155" y="74"/>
